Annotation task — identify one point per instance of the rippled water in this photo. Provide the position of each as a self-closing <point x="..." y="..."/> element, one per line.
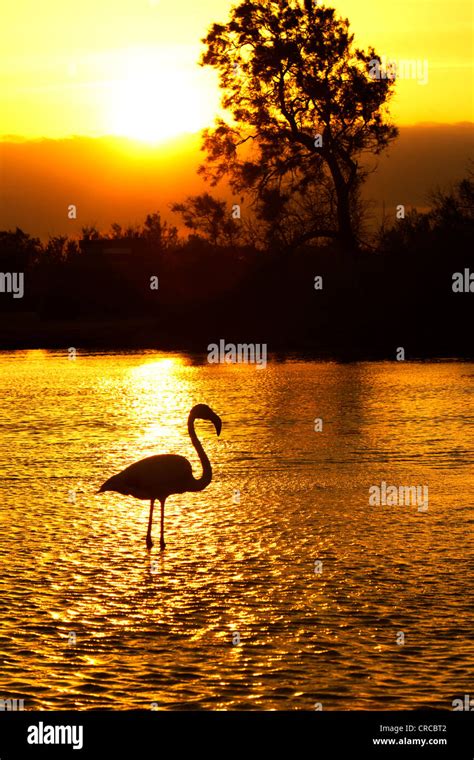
<point x="90" y="619"/>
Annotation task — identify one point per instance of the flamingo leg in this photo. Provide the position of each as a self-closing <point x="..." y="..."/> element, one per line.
<point x="149" y="542"/>
<point x="162" y="535"/>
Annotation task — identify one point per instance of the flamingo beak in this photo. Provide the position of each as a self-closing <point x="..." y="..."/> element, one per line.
<point x="217" y="424"/>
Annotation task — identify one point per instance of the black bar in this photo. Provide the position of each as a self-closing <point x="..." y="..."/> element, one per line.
<point x="296" y="734"/>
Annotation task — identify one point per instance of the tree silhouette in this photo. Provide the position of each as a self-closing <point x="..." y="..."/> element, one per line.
<point x="60" y="249"/>
<point x="442" y="232"/>
<point x="90" y="232"/>
<point x="210" y="217"/>
<point x="159" y="235"/>
<point x="304" y="108"/>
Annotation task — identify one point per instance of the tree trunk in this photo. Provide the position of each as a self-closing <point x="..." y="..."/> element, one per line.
<point x="346" y="236"/>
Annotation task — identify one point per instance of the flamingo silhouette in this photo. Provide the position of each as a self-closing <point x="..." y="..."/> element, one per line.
<point x="158" y="477"/>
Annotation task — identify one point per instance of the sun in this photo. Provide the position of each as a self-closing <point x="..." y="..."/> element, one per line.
<point x="157" y="97"/>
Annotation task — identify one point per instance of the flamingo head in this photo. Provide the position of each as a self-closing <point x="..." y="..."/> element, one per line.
<point x="204" y="412"/>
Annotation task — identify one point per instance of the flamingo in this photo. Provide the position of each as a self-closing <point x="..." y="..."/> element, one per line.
<point x="158" y="477"/>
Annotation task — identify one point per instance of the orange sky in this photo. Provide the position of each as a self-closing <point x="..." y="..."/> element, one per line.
<point x="128" y="67"/>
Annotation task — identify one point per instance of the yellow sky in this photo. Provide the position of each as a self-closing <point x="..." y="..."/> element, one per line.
<point x="129" y="66"/>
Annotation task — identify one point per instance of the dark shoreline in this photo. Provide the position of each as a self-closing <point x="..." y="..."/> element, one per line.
<point x="146" y="334"/>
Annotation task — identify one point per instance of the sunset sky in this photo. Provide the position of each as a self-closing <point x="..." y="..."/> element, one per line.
<point x="129" y="67"/>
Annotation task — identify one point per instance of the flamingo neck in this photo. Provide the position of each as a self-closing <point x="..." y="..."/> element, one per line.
<point x="206" y="477"/>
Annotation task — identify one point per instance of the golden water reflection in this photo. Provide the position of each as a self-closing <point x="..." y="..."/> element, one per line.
<point x="160" y="628"/>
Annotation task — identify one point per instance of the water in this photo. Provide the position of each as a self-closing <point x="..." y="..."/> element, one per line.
<point x="90" y="619"/>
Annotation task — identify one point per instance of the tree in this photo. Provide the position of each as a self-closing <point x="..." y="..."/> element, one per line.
<point x="19" y="250"/>
<point x="159" y="235"/>
<point x="210" y="217"/>
<point x="60" y="249"/>
<point x="446" y="229"/>
<point x="90" y="232"/>
<point x="304" y="108"/>
<point x="116" y="231"/>
<point x="455" y="210"/>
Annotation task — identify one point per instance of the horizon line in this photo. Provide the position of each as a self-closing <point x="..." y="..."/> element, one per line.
<point x="184" y="134"/>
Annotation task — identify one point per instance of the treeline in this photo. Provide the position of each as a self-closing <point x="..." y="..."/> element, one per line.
<point x="228" y="280"/>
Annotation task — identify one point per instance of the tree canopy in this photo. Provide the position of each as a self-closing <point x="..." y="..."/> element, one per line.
<point x="209" y="217"/>
<point x="303" y="108"/>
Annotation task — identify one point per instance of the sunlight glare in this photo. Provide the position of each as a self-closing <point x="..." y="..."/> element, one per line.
<point x="155" y="99"/>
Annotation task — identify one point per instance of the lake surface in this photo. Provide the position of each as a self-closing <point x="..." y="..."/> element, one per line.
<point x="90" y="619"/>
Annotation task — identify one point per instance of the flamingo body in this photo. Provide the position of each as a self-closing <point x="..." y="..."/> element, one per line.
<point x="157" y="477"/>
